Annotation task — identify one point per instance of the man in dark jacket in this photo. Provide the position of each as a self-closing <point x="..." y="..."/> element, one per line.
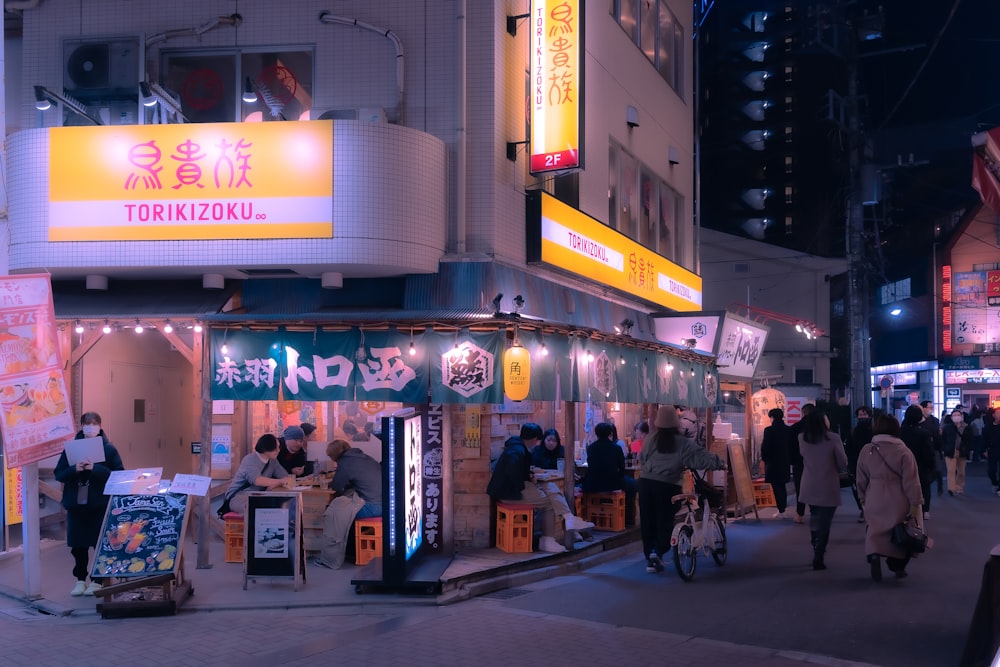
<point x="512" y="479"/>
<point x="933" y="425"/>
<point x="292" y="452"/>
<point x="606" y="469"/>
<point x="775" y="453"/>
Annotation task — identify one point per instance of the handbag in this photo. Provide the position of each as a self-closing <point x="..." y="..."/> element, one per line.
<point x="846" y="479"/>
<point x="909" y="537"/>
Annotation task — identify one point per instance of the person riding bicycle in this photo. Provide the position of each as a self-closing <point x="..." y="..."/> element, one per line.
<point x="664" y="456"/>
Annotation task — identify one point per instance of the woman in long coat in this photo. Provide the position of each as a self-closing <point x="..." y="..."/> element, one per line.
<point x="889" y="486"/>
<point x="823" y="458"/>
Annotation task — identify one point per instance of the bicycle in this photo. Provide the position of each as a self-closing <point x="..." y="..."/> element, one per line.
<point x="694" y="533"/>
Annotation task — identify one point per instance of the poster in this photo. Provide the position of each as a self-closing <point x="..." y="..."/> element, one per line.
<point x="270" y="538"/>
<point x="35" y="416"/>
<point x="222" y="437"/>
<point x="141" y="535"/>
<point x="13" y="496"/>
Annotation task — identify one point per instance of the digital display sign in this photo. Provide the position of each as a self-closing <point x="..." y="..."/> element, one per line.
<point x="413" y="484"/>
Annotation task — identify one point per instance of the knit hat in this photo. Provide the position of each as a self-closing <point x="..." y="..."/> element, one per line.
<point x="307" y="428"/>
<point x="666" y="417"/>
<point x="294" y="433"/>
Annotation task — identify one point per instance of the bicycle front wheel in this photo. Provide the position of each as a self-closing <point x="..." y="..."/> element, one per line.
<point x="685" y="555"/>
<point x="720" y="548"/>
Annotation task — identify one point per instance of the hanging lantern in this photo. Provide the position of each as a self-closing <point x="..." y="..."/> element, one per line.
<point x="516" y="372"/>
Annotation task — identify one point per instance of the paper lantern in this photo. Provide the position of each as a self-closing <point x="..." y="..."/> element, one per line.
<point x="516" y="373"/>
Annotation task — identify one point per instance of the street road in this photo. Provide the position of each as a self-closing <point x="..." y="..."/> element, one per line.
<point x="765" y="607"/>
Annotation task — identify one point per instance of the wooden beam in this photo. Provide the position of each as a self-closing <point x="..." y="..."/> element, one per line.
<point x="181" y="346"/>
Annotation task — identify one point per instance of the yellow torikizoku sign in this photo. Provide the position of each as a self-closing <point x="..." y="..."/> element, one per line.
<point x="556" y="86"/>
<point x="191" y="181"/>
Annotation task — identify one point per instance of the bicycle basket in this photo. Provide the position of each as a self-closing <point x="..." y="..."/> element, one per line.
<point x="708" y="491"/>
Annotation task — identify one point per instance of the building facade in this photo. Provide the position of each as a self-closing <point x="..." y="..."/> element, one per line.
<point x="213" y="180"/>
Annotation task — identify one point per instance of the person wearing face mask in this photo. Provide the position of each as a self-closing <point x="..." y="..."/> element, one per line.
<point x="958" y="439"/>
<point x="84" y="500"/>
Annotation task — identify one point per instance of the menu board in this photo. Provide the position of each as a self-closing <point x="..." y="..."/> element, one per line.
<point x="273" y="534"/>
<point x="741" y="477"/>
<point x="142" y="535"/>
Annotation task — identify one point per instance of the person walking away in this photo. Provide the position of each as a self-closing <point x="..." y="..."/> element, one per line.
<point x="957" y="437"/>
<point x="774" y="452"/>
<point x="796" y="457"/>
<point x="513" y="479"/>
<point x="993" y="450"/>
<point x="889" y="485"/>
<point x="921" y="445"/>
<point x="823" y="458"/>
<point x="860" y="436"/>
<point x="933" y="426"/>
<point x="84" y="500"/>
<point x="664" y="457"/>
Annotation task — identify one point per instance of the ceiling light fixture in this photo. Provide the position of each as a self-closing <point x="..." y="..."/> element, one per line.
<point x="138" y="326"/>
<point x="79" y="327"/>
<point x="168" y="327"/>
<point x="107" y="327"/>
<point x="249" y="94"/>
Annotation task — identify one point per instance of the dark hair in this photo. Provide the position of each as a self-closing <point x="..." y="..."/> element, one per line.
<point x="554" y="433"/>
<point x="604" y="430"/>
<point x="814" y="428"/>
<point x="913" y="415"/>
<point x="926" y="403"/>
<point x="307" y="428"/>
<point x="865" y="409"/>
<point x="776" y="413"/>
<point x="90" y="418"/>
<point x="643" y="426"/>
<point x="665" y="440"/>
<point x="886" y="424"/>
<point x="266" y="443"/>
<point x="531" y="431"/>
<point x="807" y="408"/>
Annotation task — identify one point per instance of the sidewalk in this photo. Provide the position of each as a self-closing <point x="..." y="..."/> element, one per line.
<point x="471" y="573"/>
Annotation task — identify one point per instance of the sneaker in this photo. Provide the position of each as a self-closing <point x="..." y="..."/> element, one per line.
<point x="650" y="566"/>
<point x="654" y="564"/>
<point x="79" y="589"/>
<point x="550" y="546"/>
<point x="576" y="523"/>
<point x="92" y="588"/>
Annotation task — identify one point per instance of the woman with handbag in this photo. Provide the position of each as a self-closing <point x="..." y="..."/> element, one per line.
<point x="889" y="486"/>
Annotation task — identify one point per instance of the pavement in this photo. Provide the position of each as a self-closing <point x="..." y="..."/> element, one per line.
<point x="595" y="604"/>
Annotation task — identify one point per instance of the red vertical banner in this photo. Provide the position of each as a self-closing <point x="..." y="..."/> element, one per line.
<point x="993" y="288"/>
<point x="986" y="167"/>
<point x="35" y="415"/>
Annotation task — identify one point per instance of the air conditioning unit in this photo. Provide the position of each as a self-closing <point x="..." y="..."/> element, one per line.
<point x="101" y="69"/>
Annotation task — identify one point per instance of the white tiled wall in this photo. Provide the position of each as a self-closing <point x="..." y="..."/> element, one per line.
<point x="357" y="68"/>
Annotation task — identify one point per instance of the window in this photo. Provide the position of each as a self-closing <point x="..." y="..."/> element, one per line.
<point x="789" y="192"/>
<point x="210" y="84"/>
<point x="789" y="44"/>
<point x="642" y="206"/>
<point x="788" y="164"/>
<point x="788" y="104"/>
<point x="803" y="376"/>
<point x="789" y="70"/>
<point x="788" y="134"/>
<point x="837" y="308"/>
<point x="655" y="30"/>
<point x="788" y="224"/>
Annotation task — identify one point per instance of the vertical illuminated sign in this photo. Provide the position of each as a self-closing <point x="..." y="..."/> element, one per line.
<point x="556" y="90"/>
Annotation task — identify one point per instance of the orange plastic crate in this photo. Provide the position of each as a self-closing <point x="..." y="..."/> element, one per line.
<point x="605" y="510"/>
<point x="367" y="539"/>
<point x="515" y="525"/>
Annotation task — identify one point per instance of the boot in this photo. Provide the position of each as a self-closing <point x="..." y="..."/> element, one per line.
<point x="876" y="567"/>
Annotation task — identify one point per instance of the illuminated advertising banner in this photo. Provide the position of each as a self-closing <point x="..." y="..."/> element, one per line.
<point x="556" y="85"/>
<point x="740" y="346"/>
<point x="191" y="181"/>
<point x="568" y="239"/>
<point x="699" y="332"/>
<point x="973" y="376"/>
<point x="35" y="415"/>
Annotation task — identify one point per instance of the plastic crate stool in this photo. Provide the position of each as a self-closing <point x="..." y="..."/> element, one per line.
<point x="367" y="539"/>
<point x="605" y="510"/>
<point x="763" y="494"/>
<point x="234" y="537"/>
<point x="515" y="525"/>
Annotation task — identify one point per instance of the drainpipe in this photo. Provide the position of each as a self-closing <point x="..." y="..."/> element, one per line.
<point x="327" y="17"/>
<point x="233" y="20"/>
<point x="461" y="158"/>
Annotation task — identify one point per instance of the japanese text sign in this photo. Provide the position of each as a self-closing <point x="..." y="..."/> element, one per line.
<point x="33" y="400"/>
<point x="556" y="84"/>
<point x="561" y="236"/>
<point x="191" y="181"/>
<point x="741" y="346"/>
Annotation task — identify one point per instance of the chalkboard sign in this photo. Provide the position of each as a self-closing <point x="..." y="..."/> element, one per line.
<point x="273" y="538"/>
<point x="141" y="535"/>
<point x="741" y="478"/>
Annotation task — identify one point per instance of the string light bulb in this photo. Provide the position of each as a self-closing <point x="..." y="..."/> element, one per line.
<point x="138" y="327"/>
<point x="107" y="327"/>
<point x="79" y="327"/>
<point x="413" y="349"/>
<point x="168" y="327"/>
<point x="197" y="328"/>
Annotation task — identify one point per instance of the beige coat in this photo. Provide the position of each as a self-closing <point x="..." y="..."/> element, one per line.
<point x="887" y="496"/>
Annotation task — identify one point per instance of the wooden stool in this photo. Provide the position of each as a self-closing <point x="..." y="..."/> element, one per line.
<point x="515" y="525"/>
<point x="234" y="537"/>
<point x="605" y="510"/>
<point x="367" y="539"/>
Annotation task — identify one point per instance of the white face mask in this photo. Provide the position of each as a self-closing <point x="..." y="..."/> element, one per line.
<point x="91" y="430"/>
